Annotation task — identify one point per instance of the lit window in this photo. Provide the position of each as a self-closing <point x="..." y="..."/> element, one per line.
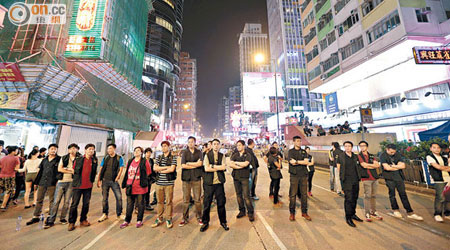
<point x="164" y="24"/>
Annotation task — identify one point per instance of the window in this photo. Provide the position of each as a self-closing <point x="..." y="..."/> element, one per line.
<point x="329" y="39"/>
<point x="354" y="46"/>
<point x="164" y="24"/>
<point x="330" y="62"/>
<point x="349" y="22"/>
<point x="422" y="17"/>
<point x="169" y="2"/>
<point x="310" y="36"/>
<point x="324" y="20"/>
<point x="309" y="19"/>
<point x="311" y="55"/>
<point x="340" y="4"/>
<point x="314" y="73"/>
<point x="383" y="27"/>
<point x="319" y="5"/>
<point x="368" y="6"/>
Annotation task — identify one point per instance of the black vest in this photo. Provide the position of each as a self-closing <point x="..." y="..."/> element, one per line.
<point x="363" y="170"/>
<point x="434" y="172"/>
<point x="115" y="166"/>
<point x="343" y="162"/>
<point x="143" y="176"/>
<point x="78" y="170"/>
<point x="208" y="178"/>
<point x="192" y="174"/>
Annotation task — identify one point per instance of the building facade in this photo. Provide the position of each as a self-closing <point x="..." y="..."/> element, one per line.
<point x="185" y="105"/>
<point x="223" y="115"/>
<point x="287" y="49"/>
<point x="161" y="63"/>
<point x="362" y="50"/>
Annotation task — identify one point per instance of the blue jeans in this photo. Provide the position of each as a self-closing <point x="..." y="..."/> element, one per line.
<point x="332" y="177"/>
<point x="63" y="189"/>
<point x="106" y="185"/>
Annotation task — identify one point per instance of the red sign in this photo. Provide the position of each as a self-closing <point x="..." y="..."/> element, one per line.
<point x="10" y="73"/>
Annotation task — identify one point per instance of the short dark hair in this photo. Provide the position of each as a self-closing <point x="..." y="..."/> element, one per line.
<point x="205" y="145"/>
<point x="250" y="142"/>
<point x="435" y="143"/>
<point x="217" y="140"/>
<point x="148" y="150"/>
<point x="391" y="146"/>
<point x="42" y="150"/>
<point x="348" y="142"/>
<point x="296" y="138"/>
<point x="367" y="144"/>
<point x="112" y="145"/>
<point x="53" y="145"/>
<point x="89" y="145"/>
<point x="73" y="145"/>
<point x="11" y="149"/>
<point x="335" y="144"/>
<point x="307" y="148"/>
<point x="193" y="138"/>
<point x="165" y="142"/>
<point x="273" y="150"/>
<point x="140" y="148"/>
<point x="273" y="143"/>
<point x="2" y="143"/>
<point x="241" y="142"/>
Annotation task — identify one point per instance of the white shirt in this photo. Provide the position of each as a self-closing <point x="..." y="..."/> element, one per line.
<point x="31" y="166"/>
<point x="445" y="174"/>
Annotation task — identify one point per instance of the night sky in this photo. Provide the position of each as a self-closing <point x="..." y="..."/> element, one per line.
<point x="211" y="30"/>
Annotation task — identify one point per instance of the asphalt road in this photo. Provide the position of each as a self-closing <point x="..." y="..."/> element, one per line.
<point x="271" y="229"/>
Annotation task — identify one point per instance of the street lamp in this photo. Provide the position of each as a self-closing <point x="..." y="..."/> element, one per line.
<point x="260" y="59"/>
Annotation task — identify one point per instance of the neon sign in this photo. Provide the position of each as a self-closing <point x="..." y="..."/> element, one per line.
<point x="432" y="55"/>
<point x="86" y="14"/>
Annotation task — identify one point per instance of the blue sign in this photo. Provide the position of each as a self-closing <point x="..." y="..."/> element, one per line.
<point x="331" y="103"/>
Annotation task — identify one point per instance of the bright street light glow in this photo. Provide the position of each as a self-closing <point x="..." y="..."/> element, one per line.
<point x="259" y="58"/>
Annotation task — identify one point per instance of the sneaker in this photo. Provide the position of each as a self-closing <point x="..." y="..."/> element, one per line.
<point x="49" y="225"/>
<point x="182" y="223"/>
<point x="397" y="214"/>
<point x="169" y="223"/>
<point x="157" y="223"/>
<point x="139" y="224"/>
<point x="376" y="215"/>
<point x="124" y="225"/>
<point x="415" y="217"/>
<point x="103" y="218"/>
<point x="255" y="198"/>
<point x="200" y="222"/>
<point x="154" y="202"/>
<point x="438" y="218"/>
<point x="63" y="221"/>
<point x="368" y="219"/>
<point x="121" y="217"/>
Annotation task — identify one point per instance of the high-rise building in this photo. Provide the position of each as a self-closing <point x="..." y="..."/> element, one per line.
<point x="223" y="114"/>
<point x="286" y="48"/>
<point x="234" y="98"/>
<point x="185" y="104"/>
<point x="362" y="51"/>
<point x="161" y="62"/>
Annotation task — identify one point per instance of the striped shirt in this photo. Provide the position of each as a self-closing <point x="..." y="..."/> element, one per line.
<point x="162" y="161"/>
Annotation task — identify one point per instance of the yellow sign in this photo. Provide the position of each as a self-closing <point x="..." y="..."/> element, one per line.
<point x="366" y="116"/>
<point x="87" y="11"/>
<point x="13" y="100"/>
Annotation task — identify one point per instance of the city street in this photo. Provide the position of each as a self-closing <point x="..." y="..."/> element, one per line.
<point x="271" y="229"/>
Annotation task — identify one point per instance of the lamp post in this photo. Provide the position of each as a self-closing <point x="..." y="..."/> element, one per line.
<point x="260" y="58"/>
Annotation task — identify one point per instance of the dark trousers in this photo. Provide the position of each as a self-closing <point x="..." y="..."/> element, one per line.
<point x="271" y="187"/>
<point x="276" y="189"/>
<point x="351" y="192"/>
<point x="115" y="187"/>
<point x="210" y="191"/>
<point x="253" y="180"/>
<point x="400" y="186"/>
<point x="310" y="177"/>
<point x="76" y="197"/>
<point x="241" y="186"/>
<point x="298" y="184"/>
<point x="20" y="185"/>
<point x="137" y="199"/>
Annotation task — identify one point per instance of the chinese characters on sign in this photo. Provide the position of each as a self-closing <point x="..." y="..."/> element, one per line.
<point x="366" y="116"/>
<point x="10" y="73"/>
<point x="431" y="55"/>
<point x="81" y="43"/>
<point x="86" y="14"/>
<point x="13" y="100"/>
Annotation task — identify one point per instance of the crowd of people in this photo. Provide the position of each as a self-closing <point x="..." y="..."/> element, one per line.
<point x="70" y="179"/>
<point x="335" y="130"/>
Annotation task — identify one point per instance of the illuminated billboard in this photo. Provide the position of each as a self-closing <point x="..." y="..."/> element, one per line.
<point x="258" y="88"/>
<point x="86" y="28"/>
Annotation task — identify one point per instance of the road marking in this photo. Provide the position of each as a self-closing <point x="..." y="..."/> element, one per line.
<point x="271" y="232"/>
<point x="99" y="236"/>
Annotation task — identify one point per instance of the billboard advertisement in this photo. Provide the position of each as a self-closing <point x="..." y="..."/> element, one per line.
<point x="258" y="88"/>
<point x="331" y="103"/>
<point x="13" y="100"/>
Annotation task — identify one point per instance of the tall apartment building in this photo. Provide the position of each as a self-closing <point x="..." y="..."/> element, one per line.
<point x="185" y="104"/>
<point x="234" y="98"/>
<point x="362" y="50"/>
<point x="286" y="47"/>
<point x="223" y="113"/>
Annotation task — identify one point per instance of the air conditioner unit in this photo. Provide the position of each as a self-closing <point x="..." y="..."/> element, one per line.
<point x="426" y="10"/>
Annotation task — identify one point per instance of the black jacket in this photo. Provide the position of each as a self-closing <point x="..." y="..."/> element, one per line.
<point x="208" y="177"/>
<point x="115" y="166"/>
<point x="254" y="162"/>
<point x="343" y="161"/>
<point x="363" y="171"/>
<point x="78" y="170"/>
<point x="143" y="176"/>
<point x="191" y="174"/>
<point x="53" y="172"/>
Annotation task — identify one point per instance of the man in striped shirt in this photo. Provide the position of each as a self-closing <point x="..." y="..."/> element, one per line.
<point x="165" y="167"/>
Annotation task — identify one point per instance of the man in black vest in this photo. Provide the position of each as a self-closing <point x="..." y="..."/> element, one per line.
<point x="393" y="164"/>
<point x="213" y="185"/>
<point x="111" y="170"/>
<point x="349" y="173"/>
<point x="254" y="169"/>
<point x="439" y="171"/>
<point x="298" y="170"/>
<point x="191" y="174"/>
<point x="240" y="162"/>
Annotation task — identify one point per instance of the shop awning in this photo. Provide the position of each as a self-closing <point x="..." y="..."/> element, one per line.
<point x="442" y="132"/>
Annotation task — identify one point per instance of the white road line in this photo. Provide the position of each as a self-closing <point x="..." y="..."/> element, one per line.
<point x="99" y="236"/>
<point x="271" y="232"/>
